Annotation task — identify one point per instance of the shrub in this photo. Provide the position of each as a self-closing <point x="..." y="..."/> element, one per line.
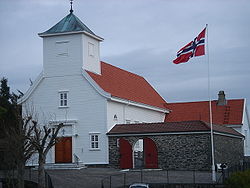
<point x="239" y="180"/>
<point x="12" y="183"/>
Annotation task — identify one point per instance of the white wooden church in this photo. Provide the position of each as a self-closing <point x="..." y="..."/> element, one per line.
<point x="89" y="96"/>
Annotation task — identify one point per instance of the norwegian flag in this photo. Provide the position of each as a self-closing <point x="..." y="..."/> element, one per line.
<point x="192" y="49"/>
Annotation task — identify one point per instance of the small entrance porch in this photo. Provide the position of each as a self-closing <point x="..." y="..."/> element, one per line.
<point x="64" y="155"/>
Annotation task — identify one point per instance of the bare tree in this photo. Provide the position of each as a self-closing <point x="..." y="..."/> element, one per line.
<point x="43" y="139"/>
<point x="19" y="147"/>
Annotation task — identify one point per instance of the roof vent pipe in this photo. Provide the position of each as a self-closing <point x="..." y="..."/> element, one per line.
<point x="221" y="99"/>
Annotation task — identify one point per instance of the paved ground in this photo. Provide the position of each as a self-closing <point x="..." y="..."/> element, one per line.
<point x="89" y="177"/>
<point x="100" y="177"/>
<point x="96" y="177"/>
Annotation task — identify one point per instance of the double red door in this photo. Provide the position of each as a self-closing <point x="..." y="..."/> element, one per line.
<point x="149" y="151"/>
<point x="63" y="150"/>
<point x="125" y="154"/>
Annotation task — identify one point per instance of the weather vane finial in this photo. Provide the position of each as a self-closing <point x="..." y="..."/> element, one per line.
<point x="71" y="2"/>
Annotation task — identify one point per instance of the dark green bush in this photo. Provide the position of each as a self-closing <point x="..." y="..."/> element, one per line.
<point x="239" y="180"/>
<point x="12" y="183"/>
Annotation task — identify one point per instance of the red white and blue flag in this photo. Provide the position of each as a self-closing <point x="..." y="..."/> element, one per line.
<point x="192" y="49"/>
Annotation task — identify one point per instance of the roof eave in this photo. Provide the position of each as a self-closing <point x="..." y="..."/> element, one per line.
<point x="95" y="85"/>
<point x="156" y="133"/>
<point x="31" y="89"/>
<point x="142" y="105"/>
<point x="233" y="125"/>
<point x="70" y="33"/>
<point x="173" y="133"/>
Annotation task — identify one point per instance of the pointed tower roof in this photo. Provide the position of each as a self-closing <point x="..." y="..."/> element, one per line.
<point x="68" y="25"/>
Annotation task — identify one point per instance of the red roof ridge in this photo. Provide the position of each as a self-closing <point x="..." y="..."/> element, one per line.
<point x="205" y="124"/>
<point x="169" y="103"/>
<point x="122" y="69"/>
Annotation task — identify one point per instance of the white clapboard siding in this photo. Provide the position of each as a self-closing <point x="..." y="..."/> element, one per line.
<point x="132" y="113"/>
<point x="86" y="106"/>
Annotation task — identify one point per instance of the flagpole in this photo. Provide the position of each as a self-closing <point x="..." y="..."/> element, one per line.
<point x="210" y="112"/>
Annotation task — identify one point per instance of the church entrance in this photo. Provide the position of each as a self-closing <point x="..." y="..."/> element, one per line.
<point x="138" y="154"/>
<point x="63" y="150"/>
<point x="144" y="154"/>
<point x="125" y="154"/>
<point x="150" y="153"/>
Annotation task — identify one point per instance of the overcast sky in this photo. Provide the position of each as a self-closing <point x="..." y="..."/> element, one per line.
<point x="141" y="36"/>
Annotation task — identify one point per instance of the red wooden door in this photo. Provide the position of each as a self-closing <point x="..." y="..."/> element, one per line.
<point x="63" y="150"/>
<point x="150" y="153"/>
<point x="125" y="154"/>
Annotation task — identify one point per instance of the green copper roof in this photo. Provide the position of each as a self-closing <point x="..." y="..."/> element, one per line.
<point x="70" y="23"/>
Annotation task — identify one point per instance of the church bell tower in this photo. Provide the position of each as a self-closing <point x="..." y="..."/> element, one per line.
<point x="70" y="46"/>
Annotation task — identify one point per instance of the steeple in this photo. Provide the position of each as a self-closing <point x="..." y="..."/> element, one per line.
<point x="71" y="10"/>
<point x="70" y="46"/>
<point x="70" y="24"/>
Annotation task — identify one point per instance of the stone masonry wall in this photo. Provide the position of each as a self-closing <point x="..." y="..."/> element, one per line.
<point x="174" y="151"/>
<point x="228" y="150"/>
<point x="114" y="152"/>
<point x="183" y="152"/>
<point x="186" y="152"/>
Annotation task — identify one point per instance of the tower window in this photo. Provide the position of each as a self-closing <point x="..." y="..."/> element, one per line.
<point x="62" y="48"/>
<point x="91" y="49"/>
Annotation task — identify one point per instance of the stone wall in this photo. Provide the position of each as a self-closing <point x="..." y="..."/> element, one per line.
<point x="183" y="152"/>
<point x="186" y="152"/>
<point x="114" y="152"/>
<point x="174" y="151"/>
<point x="228" y="150"/>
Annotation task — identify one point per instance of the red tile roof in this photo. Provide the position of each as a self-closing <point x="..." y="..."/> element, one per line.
<point x="169" y="127"/>
<point x="230" y="114"/>
<point x="126" y="85"/>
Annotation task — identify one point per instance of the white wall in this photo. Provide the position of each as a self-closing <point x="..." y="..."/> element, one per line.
<point x="129" y="112"/>
<point x="67" y="64"/>
<point x="245" y="130"/>
<point x="91" y="62"/>
<point x="86" y="106"/>
<point x="68" y="54"/>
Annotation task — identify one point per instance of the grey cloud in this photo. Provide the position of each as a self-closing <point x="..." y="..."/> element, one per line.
<point x="141" y="36"/>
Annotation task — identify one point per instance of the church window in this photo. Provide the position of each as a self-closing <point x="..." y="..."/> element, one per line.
<point x="94" y="141"/>
<point x="91" y="49"/>
<point x="63" y="99"/>
<point x="62" y="48"/>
